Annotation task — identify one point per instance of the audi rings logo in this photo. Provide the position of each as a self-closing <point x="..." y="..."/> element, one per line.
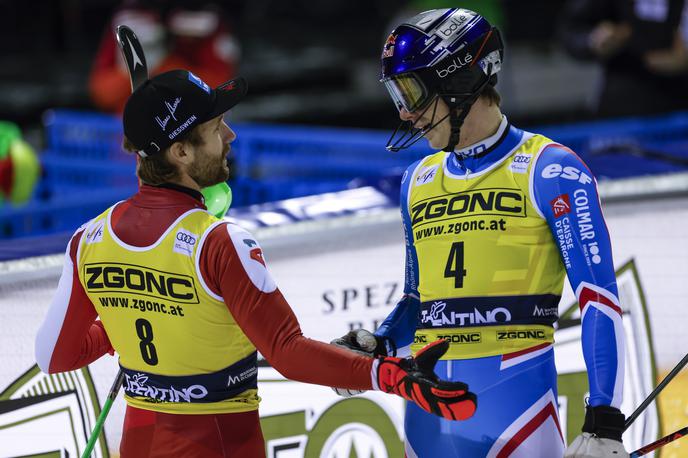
<point x="186" y="238"/>
<point x="184" y="242"/>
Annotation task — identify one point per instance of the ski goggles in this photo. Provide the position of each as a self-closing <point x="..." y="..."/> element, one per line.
<point x="407" y="91"/>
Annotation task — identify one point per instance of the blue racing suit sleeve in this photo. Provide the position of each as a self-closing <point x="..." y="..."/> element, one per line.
<point x="565" y="192"/>
<point x="400" y="324"/>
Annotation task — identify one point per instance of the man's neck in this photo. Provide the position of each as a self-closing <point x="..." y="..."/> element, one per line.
<point x="195" y="193"/>
<point x="484" y="145"/>
<point x="187" y="182"/>
<point x="482" y="122"/>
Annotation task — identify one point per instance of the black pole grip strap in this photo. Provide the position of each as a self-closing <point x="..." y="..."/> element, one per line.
<point x="604" y="421"/>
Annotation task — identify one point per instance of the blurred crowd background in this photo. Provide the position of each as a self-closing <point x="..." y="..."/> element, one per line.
<point x="316" y="63"/>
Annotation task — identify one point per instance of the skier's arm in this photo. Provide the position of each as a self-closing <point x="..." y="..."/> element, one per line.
<point x="70" y="336"/>
<point x="232" y="267"/>
<point x="566" y="193"/>
<point x="400" y="324"/>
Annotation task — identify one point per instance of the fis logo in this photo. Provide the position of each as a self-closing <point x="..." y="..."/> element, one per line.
<point x="95" y="234"/>
<point x="427" y="175"/>
<point x="561" y="205"/>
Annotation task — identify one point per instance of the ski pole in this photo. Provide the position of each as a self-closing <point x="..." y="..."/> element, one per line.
<point x="655" y="392"/>
<point x="660" y="442"/>
<point x="103" y="414"/>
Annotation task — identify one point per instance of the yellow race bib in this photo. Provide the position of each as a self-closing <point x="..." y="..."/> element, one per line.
<point x="486" y="256"/>
<point x="179" y="346"/>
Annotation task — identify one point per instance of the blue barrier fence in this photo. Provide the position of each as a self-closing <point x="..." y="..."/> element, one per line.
<point x="85" y="169"/>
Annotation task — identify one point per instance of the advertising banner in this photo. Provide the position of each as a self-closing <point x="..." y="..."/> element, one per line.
<point x="344" y="274"/>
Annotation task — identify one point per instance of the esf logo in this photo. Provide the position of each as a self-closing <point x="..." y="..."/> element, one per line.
<point x="510" y="335"/>
<point x="127" y="278"/>
<point x="477" y="202"/>
<point x="568" y="173"/>
<point x="455" y="64"/>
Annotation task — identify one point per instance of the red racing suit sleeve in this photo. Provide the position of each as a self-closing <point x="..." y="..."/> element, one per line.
<point x="233" y="267"/>
<point x="70" y="337"/>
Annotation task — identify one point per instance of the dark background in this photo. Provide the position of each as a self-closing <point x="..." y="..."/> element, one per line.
<point x="307" y="62"/>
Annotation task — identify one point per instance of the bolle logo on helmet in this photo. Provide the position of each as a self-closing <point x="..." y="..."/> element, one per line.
<point x="447" y="28"/>
<point x="456" y="64"/>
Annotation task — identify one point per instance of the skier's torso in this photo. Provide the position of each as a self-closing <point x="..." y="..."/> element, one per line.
<point x="180" y="348"/>
<point x="490" y="234"/>
<point x="490" y="274"/>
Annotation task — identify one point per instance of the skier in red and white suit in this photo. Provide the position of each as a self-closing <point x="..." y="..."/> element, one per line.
<point x="186" y="299"/>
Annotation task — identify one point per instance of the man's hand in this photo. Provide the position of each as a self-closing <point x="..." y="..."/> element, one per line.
<point x="601" y="436"/>
<point x="414" y="379"/>
<point x="588" y="446"/>
<point x="362" y="342"/>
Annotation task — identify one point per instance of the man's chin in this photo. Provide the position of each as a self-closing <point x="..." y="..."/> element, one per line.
<point x="434" y="144"/>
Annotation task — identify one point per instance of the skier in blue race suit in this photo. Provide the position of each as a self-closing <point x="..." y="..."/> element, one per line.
<point x="494" y="222"/>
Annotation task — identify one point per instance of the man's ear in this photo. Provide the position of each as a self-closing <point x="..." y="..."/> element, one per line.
<point x="180" y="154"/>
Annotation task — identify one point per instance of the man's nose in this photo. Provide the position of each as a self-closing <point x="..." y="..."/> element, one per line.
<point x="230" y="135"/>
<point x="406" y="115"/>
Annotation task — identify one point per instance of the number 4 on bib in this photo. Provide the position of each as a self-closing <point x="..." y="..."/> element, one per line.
<point x="454" y="268"/>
